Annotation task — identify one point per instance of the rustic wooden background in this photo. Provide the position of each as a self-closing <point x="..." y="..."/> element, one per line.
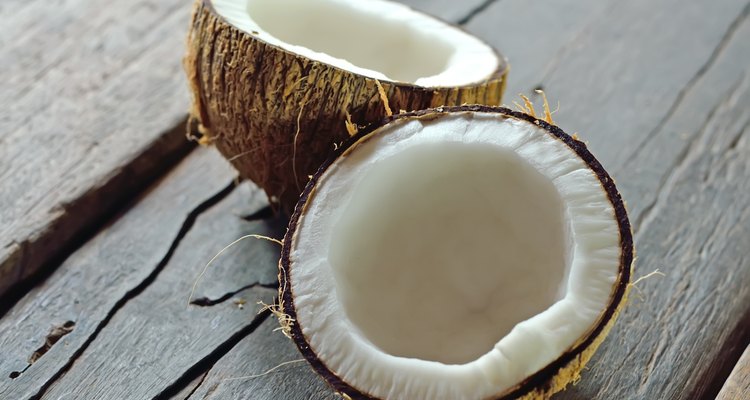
<point x="107" y="214"/>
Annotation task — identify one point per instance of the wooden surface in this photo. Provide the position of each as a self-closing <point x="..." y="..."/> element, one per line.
<point x="83" y="127"/>
<point x="90" y="195"/>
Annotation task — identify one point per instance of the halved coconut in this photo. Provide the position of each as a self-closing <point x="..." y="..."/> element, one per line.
<point x="456" y="253"/>
<point x="274" y="81"/>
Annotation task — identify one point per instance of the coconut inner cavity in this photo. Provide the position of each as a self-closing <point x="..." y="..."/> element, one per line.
<point x="375" y="38"/>
<point x="428" y="259"/>
<point x="366" y="39"/>
<point x="444" y="247"/>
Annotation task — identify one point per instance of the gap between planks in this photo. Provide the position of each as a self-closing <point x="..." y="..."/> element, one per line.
<point x="87" y="214"/>
<point x="89" y="120"/>
<point x="138" y="289"/>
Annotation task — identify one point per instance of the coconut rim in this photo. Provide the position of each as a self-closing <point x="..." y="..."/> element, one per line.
<point x="551" y="370"/>
<point x="499" y="73"/>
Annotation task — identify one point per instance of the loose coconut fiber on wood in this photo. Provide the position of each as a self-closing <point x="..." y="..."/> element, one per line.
<point x="276" y="116"/>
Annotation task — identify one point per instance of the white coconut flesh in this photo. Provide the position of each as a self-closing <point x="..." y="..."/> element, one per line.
<point x="375" y="38"/>
<point x="451" y="257"/>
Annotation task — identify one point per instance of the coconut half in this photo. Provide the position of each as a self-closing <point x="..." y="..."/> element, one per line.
<point x="456" y="253"/>
<point x="275" y="81"/>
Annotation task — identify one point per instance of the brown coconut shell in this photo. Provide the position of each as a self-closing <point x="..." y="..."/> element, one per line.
<point x="277" y="115"/>
<point x="545" y="382"/>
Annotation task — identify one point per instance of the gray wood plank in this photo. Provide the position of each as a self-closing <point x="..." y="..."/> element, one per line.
<point x="618" y="79"/>
<point x="642" y="87"/>
<point x="738" y="384"/>
<point x="92" y="105"/>
<point x="679" y="342"/>
<point x="163" y="337"/>
<point x="686" y="186"/>
<point x="536" y="35"/>
<point x="265" y="365"/>
<point x="95" y="281"/>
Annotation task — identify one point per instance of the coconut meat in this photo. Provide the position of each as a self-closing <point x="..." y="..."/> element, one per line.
<point x="375" y="38"/>
<point x="415" y="252"/>
<point x="452" y="257"/>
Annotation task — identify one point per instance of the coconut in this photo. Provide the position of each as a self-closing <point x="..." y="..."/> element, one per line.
<point x="274" y="82"/>
<point x="455" y="253"/>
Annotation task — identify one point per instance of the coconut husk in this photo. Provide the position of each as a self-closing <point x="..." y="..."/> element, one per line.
<point x="277" y="115"/>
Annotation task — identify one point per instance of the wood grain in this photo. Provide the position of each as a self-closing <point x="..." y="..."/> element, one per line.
<point x="536" y="35"/>
<point x="100" y="278"/>
<point x="645" y="94"/>
<point x="235" y="376"/>
<point x="164" y="337"/>
<point x="673" y="130"/>
<point x="660" y="90"/>
<point x="738" y="385"/>
<point x="92" y="107"/>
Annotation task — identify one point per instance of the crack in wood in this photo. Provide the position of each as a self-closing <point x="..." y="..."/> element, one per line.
<point x="197" y="385"/>
<point x="54" y="336"/>
<point x="204" y="365"/>
<point x="475" y="11"/>
<point x="207" y="302"/>
<point x="138" y="289"/>
<point x="35" y="258"/>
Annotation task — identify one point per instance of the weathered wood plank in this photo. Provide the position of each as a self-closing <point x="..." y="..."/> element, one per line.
<point x="738" y="384"/>
<point x="639" y="85"/>
<point x="618" y="79"/>
<point x="536" y="35"/>
<point x="686" y="185"/>
<point x="92" y="107"/>
<point x="265" y="365"/>
<point x="679" y="342"/>
<point x="164" y="337"/>
<point x="94" y="282"/>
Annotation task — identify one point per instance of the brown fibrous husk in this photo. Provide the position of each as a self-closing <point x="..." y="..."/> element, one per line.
<point x="276" y="115"/>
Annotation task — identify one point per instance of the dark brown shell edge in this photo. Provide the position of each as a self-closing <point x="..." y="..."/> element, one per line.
<point x="258" y="103"/>
<point x="543" y="383"/>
